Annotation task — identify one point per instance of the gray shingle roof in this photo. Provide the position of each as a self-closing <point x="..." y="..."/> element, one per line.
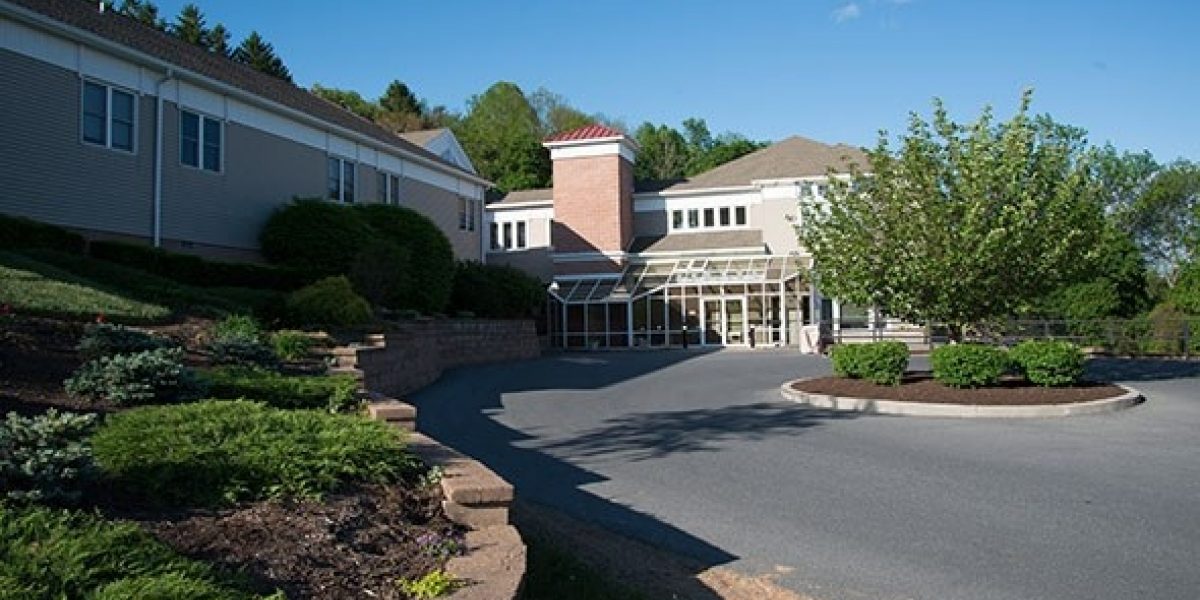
<point x="147" y="40"/>
<point x="697" y="241"/>
<point x="525" y="197"/>
<point x="793" y="157"/>
<point x="423" y="136"/>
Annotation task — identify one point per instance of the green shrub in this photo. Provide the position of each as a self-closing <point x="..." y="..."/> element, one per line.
<point x="193" y="270"/>
<point x="382" y="273"/>
<point x="1185" y="294"/>
<point x="150" y="376"/>
<point x="334" y="393"/>
<point x="222" y="452"/>
<point x="53" y="553"/>
<point x="1048" y="362"/>
<point x="882" y="363"/>
<point x="19" y="233"/>
<point x="318" y="236"/>
<point x="330" y="301"/>
<point x="844" y="359"/>
<point x="969" y="365"/>
<point x="242" y="352"/>
<point x="496" y="291"/>
<point x="237" y="327"/>
<point x="45" y="458"/>
<point x="104" y="339"/>
<point x="291" y="345"/>
<point x="433" y="584"/>
<point x="431" y="268"/>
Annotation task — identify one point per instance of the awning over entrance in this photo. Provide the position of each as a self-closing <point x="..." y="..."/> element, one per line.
<point x="641" y="279"/>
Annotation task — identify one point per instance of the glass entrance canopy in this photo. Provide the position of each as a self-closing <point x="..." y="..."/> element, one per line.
<point x="641" y="279"/>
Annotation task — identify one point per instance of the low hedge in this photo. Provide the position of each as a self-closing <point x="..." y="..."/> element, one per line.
<point x="334" y="393"/>
<point x="218" y="452"/>
<point x="496" y="291"/>
<point x="54" y="553"/>
<point x="882" y="363"/>
<point x="1049" y="363"/>
<point x="194" y="270"/>
<point x="330" y="301"/>
<point x="969" y="365"/>
<point x="19" y="233"/>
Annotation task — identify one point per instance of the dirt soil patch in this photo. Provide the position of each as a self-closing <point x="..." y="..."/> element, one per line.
<point x="355" y="544"/>
<point x="36" y="355"/>
<point x="921" y="387"/>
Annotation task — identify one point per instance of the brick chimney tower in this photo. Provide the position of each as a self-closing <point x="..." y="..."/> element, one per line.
<point x="593" y="199"/>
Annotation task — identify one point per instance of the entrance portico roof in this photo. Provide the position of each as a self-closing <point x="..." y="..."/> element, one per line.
<point x="643" y="278"/>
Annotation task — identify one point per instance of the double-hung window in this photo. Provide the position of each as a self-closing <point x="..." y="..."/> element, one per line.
<point x="495" y="235"/>
<point x="388" y="191"/>
<point x="108" y="116"/>
<point x="508" y="227"/>
<point x="341" y="180"/>
<point x="463" y="213"/>
<point x="521" y="234"/>
<point x="200" y="140"/>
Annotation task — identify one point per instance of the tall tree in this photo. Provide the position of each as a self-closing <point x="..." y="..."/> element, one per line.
<point x="218" y="40"/>
<point x="502" y="135"/>
<point x="144" y="11"/>
<point x="963" y="224"/>
<point x="349" y="100"/>
<point x="398" y="98"/>
<point x="1166" y="219"/>
<point x="555" y="114"/>
<point x="190" y="27"/>
<point x="260" y="55"/>
<point x="664" y="154"/>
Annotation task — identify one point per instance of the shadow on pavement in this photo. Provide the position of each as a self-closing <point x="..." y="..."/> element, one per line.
<point x="458" y="409"/>
<point x="1141" y="369"/>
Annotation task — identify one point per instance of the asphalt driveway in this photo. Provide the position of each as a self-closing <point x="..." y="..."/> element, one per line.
<point x="696" y="452"/>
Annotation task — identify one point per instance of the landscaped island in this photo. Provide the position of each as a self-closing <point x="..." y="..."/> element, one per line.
<point x="873" y="377"/>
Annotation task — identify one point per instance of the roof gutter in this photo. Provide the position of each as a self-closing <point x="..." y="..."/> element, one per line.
<point x="123" y="51"/>
<point x="158" y="156"/>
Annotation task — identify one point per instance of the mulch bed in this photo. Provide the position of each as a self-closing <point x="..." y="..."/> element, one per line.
<point x="36" y="355"/>
<point x="350" y="545"/>
<point x="921" y="387"/>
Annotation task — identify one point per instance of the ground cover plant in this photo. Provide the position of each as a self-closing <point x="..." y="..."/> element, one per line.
<point x="291" y="345"/>
<point x="45" y="458"/>
<point x="219" y="452"/>
<point x="149" y="376"/>
<point x="333" y="393"/>
<point x="107" y="339"/>
<point x="238" y="340"/>
<point x="969" y="365"/>
<point x="54" y="553"/>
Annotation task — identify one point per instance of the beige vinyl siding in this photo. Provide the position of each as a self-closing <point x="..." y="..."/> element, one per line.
<point x="775" y="219"/>
<point x="441" y="206"/>
<point x="260" y="172"/>
<point x="48" y="173"/>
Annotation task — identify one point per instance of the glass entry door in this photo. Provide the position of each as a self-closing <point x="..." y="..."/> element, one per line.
<point x="724" y="321"/>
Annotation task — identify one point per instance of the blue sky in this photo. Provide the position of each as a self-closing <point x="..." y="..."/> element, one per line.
<point x="1127" y="71"/>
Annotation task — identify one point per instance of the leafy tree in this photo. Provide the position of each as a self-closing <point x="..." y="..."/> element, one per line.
<point x="190" y="27"/>
<point x="260" y="56"/>
<point x="1166" y="219"/>
<point x="664" y="154"/>
<point x="144" y="11"/>
<point x="963" y="224"/>
<point x="502" y="135"/>
<point x="1124" y="176"/>
<point x="349" y="100"/>
<point x="218" y="40"/>
<point x="398" y="98"/>
<point x="1113" y="282"/>
<point x="726" y="148"/>
<point x="555" y="114"/>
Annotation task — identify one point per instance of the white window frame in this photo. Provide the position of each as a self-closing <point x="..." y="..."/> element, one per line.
<point x="521" y="238"/>
<point x="724" y="217"/>
<point x="389" y="192"/>
<point x="109" y="90"/>
<point x="202" y="139"/>
<point x="341" y="178"/>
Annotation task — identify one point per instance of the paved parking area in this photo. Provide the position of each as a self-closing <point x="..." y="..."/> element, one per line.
<point x="696" y="452"/>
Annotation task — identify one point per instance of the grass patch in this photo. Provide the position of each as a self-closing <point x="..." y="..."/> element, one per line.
<point x="216" y="453"/>
<point x="51" y="553"/>
<point x="552" y="573"/>
<point x="36" y="288"/>
<point x="57" y="284"/>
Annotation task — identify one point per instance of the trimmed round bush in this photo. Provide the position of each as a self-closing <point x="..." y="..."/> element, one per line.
<point x="882" y="363"/>
<point x="430" y="275"/>
<point x="382" y="274"/>
<point x="330" y="301"/>
<point x="969" y="365"/>
<point x="1048" y="362"/>
<point x="315" y="235"/>
<point x="217" y="452"/>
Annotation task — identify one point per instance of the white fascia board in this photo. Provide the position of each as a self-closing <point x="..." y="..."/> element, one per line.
<point x="588" y="148"/>
<point x="704" y="252"/>
<point x="511" y="216"/>
<point x="506" y="206"/>
<point x="587" y="256"/>
<point x="739" y="197"/>
<point x="696" y="192"/>
<point x="17" y="40"/>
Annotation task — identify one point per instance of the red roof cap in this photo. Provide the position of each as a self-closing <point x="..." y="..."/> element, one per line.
<point x="587" y="132"/>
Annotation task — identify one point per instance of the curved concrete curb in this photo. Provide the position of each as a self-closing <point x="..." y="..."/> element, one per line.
<point x="1131" y="397"/>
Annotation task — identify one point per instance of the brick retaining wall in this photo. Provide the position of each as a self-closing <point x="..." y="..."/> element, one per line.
<point x="416" y="353"/>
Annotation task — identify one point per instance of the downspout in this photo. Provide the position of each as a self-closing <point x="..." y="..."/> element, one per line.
<point x="158" y="156"/>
